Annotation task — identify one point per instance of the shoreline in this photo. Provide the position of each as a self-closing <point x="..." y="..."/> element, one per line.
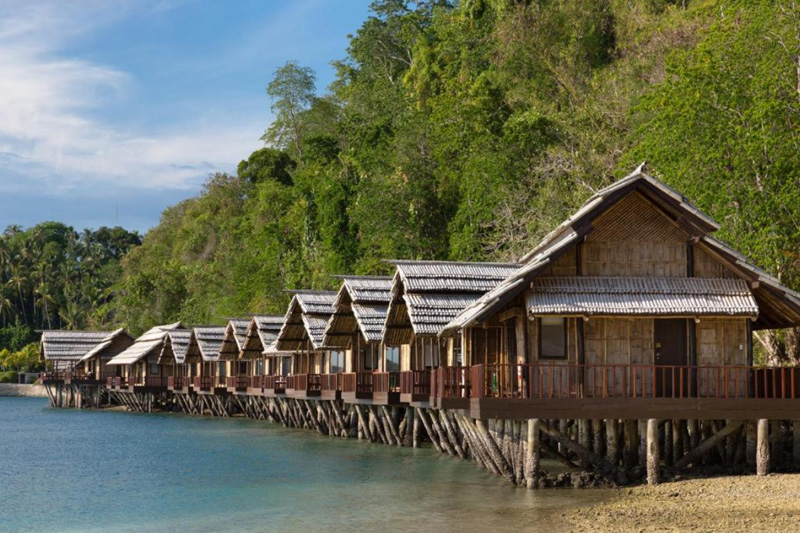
<point x="730" y="503"/>
<point x="17" y="390"/>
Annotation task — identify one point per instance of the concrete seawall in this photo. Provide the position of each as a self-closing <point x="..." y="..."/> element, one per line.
<point x="12" y="389"/>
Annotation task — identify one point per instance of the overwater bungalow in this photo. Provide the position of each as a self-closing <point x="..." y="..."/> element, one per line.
<point x="93" y="366"/>
<point x="143" y="381"/>
<point x="302" y="333"/>
<point x="61" y="350"/>
<point x="629" y="310"/>
<point x="425" y="297"/>
<point x="203" y="352"/>
<point x="269" y="371"/>
<point x="355" y="368"/>
<point x="174" y="353"/>
<point x="77" y="365"/>
<point x="239" y="371"/>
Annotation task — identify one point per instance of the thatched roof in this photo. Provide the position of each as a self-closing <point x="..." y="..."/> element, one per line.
<point x="116" y="340"/>
<point x="779" y="306"/>
<point x="148" y="345"/>
<point x="360" y="306"/>
<point x="176" y="346"/>
<point x="205" y="343"/>
<point x="233" y="339"/>
<point x="426" y="295"/>
<point x="640" y="296"/>
<point x="261" y="332"/>
<point x="69" y="346"/>
<point x="305" y="320"/>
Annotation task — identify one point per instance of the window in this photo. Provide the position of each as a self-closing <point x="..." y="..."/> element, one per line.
<point x="430" y="352"/>
<point x="259" y="367"/>
<point x="337" y="361"/>
<point x="392" y="358"/>
<point x="457" y="359"/>
<point x="221" y="369"/>
<point x="552" y="338"/>
<point x="366" y="358"/>
<point x="153" y="369"/>
<point x="511" y="340"/>
<point x="286" y="363"/>
<point x="242" y="368"/>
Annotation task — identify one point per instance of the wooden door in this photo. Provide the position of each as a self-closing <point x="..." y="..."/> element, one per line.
<point x="669" y="344"/>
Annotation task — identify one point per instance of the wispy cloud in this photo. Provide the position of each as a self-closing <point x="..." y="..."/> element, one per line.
<point x="52" y="134"/>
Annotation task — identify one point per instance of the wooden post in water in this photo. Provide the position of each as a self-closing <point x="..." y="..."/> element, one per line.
<point x="762" y="448"/>
<point x="653" y="473"/>
<point x="534" y="454"/>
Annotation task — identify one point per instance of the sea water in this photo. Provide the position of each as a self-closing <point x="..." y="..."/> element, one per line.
<point x="70" y="470"/>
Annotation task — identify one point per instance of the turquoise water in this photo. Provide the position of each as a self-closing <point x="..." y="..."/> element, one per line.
<point x="68" y="470"/>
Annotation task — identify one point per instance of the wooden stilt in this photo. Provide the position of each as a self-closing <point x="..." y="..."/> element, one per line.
<point x="653" y="473"/>
<point x="534" y="454"/>
<point x="762" y="448"/>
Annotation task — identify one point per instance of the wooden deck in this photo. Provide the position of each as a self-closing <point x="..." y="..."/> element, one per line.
<point x="553" y="390"/>
<point x="304" y="386"/>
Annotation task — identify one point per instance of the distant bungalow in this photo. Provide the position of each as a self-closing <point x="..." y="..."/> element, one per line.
<point x="622" y="343"/>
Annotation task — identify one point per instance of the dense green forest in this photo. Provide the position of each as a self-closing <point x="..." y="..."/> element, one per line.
<point x="467" y="130"/>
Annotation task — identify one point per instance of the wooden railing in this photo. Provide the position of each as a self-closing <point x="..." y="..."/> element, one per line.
<point x="256" y="382"/>
<point x="238" y="382"/>
<point x="53" y="375"/>
<point x="175" y="382"/>
<point x="562" y="381"/>
<point x="332" y="382"/>
<point x="386" y="382"/>
<point x="119" y="382"/>
<point x="417" y="382"/>
<point x="359" y="382"/>
<point x="304" y="382"/>
<point x="203" y="382"/>
<point x="275" y="383"/>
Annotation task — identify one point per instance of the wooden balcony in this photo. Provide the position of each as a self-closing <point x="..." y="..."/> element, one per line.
<point x="149" y="383"/>
<point x="331" y="386"/>
<point x="561" y="390"/>
<point x="274" y="386"/>
<point x="304" y="386"/>
<point x="386" y="388"/>
<point x="54" y="376"/>
<point x="203" y="384"/>
<point x="255" y="385"/>
<point x="415" y="386"/>
<point x="237" y="384"/>
<point x="357" y="387"/>
<point x="179" y="383"/>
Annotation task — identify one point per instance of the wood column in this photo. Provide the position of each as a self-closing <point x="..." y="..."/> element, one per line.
<point x="653" y="471"/>
<point x="762" y="448"/>
<point x="534" y="454"/>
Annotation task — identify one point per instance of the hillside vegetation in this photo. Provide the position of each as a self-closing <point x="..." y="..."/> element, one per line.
<point x="466" y="131"/>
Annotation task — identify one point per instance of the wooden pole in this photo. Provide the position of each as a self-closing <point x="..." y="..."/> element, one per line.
<point x="796" y="442"/>
<point x="762" y="448"/>
<point x="631" y="452"/>
<point x="534" y="454"/>
<point x="653" y="474"/>
<point x="612" y="441"/>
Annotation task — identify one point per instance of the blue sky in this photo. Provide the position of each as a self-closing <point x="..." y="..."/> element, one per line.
<point x="111" y="110"/>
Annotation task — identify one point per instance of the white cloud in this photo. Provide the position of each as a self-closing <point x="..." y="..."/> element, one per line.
<point x="50" y="103"/>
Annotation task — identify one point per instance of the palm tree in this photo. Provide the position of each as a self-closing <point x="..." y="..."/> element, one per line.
<point x="18" y="281"/>
<point x="6" y="309"/>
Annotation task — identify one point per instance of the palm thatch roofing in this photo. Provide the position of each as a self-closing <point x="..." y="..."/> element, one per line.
<point x="360" y="306"/>
<point x="261" y="332"/>
<point x="205" y="344"/>
<point x="778" y="306"/>
<point x="426" y="295"/>
<point x="305" y="320"/>
<point x="233" y="339"/>
<point x="641" y="296"/>
<point x="148" y="345"/>
<point x="118" y="338"/>
<point x="69" y="346"/>
<point x="176" y="346"/>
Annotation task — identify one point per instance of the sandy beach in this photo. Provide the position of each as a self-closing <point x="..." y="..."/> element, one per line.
<point x="742" y="503"/>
